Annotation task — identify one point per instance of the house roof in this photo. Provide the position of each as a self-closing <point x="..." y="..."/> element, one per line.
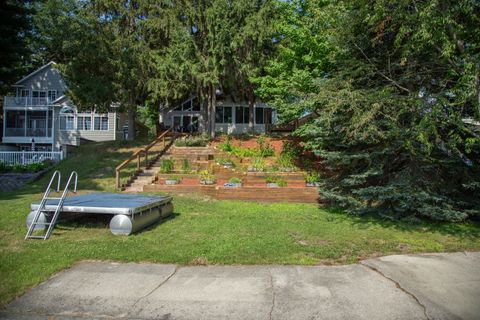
<point x="34" y="73"/>
<point x="61" y="98"/>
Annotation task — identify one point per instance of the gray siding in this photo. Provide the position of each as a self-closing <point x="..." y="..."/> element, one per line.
<point x="101" y="135"/>
<point x="48" y="78"/>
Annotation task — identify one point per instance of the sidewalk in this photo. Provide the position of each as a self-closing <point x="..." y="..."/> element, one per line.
<point x="426" y="286"/>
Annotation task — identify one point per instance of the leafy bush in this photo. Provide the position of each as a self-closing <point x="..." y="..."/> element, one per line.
<point x="3" y="167"/>
<point x="186" y="168"/>
<point x="205" y="175"/>
<point x="311" y="177"/>
<point x="193" y="141"/>
<point x="277" y="180"/>
<point x="258" y="164"/>
<point x="174" y="178"/>
<point x="227" y="145"/>
<point x="285" y="162"/>
<point x="20" y="168"/>
<point x="266" y="149"/>
<point x="166" y="166"/>
<point x="235" y="180"/>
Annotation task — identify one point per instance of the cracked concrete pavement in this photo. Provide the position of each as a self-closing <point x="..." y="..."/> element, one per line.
<point x="424" y="286"/>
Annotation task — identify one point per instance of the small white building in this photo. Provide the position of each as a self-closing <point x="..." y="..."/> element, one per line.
<point x="42" y="114"/>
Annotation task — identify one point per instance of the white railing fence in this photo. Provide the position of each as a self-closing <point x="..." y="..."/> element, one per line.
<point x="28" y="157"/>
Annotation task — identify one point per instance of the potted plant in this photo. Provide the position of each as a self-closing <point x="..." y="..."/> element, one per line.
<point x="311" y="180"/>
<point x="234" y="182"/>
<point x="258" y="165"/>
<point x="275" y="182"/>
<point x="166" y="166"/>
<point x="206" y="178"/>
<point x="170" y="181"/>
<point x="226" y="163"/>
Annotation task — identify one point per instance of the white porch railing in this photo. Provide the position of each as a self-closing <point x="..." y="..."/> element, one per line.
<point x="27" y="157"/>
<point x="12" y="102"/>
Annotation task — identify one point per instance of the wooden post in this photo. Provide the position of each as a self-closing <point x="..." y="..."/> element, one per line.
<point x="146" y="159"/>
<point x="117" y="178"/>
<point x="138" y="161"/>
<point x="163" y="142"/>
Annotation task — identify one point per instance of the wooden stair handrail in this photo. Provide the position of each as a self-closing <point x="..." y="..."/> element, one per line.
<point x="137" y="154"/>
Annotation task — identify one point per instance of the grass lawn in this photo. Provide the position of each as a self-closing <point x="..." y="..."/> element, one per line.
<point x="203" y="231"/>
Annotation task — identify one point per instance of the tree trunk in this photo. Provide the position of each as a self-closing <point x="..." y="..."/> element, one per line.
<point x="131" y="123"/>
<point x="251" y="111"/>
<point x="477" y="79"/>
<point x="213" y="103"/>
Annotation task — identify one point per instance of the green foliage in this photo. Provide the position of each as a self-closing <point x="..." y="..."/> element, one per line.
<point x="186" y="168"/>
<point x="23" y="168"/>
<point x="277" y="180"/>
<point x="266" y="149"/>
<point x="227" y="145"/>
<point x="258" y="164"/>
<point x="166" y="166"/>
<point x="235" y="180"/>
<point x="15" y="28"/>
<point x="311" y="177"/>
<point x="389" y="83"/>
<point x="193" y="141"/>
<point x="206" y="176"/>
<point x="175" y="178"/>
<point x="285" y="162"/>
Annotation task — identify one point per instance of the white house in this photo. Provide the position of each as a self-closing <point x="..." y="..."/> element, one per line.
<point x="42" y="114"/>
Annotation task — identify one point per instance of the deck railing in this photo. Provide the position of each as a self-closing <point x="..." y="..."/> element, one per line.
<point x="137" y="155"/>
<point x="28" y="157"/>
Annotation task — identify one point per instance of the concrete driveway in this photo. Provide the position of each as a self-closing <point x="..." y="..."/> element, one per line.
<point x="425" y="286"/>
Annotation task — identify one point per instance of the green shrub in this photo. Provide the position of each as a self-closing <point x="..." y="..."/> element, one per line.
<point x="235" y="180"/>
<point x="285" y="162"/>
<point x="166" y="166"/>
<point x="193" y="141"/>
<point x="186" y="168"/>
<point x="4" y="167"/>
<point x="311" y="177"/>
<point x="258" y="164"/>
<point x="227" y="145"/>
<point x="205" y="175"/>
<point x="266" y="149"/>
<point x="278" y="180"/>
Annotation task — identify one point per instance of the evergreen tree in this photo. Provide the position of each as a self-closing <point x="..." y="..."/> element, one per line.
<point x="15" y="28"/>
<point x="390" y="107"/>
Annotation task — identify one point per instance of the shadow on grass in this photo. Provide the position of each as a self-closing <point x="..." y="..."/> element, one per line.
<point x="465" y="230"/>
<point x="102" y="221"/>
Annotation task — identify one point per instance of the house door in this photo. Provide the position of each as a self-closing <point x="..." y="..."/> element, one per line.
<point x="186" y="121"/>
<point x="268" y="119"/>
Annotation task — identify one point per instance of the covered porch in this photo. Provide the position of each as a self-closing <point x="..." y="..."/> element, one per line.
<point x="23" y="125"/>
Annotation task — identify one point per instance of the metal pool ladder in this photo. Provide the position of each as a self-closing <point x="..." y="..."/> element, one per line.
<point x="58" y="208"/>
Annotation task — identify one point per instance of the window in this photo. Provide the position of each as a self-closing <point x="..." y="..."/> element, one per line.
<point x="24" y="93"/>
<point x="223" y="115"/>
<point x="39" y="93"/>
<point x="241" y="114"/>
<point x="67" y="118"/>
<point x="100" y="123"/>
<point x="67" y="122"/>
<point x="187" y="106"/>
<point x="52" y="95"/>
<point x="84" y="122"/>
<point x="259" y="118"/>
